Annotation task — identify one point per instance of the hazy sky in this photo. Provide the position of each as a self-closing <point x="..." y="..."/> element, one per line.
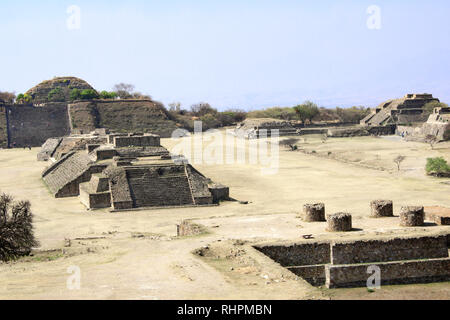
<point x="235" y="53"/>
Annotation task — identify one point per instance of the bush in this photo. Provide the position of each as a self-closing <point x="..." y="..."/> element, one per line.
<point x="231" y="117"/>
<point x="75" y="94"/>
<point x="56" y="95"/>
<point x="209" y="121"/>
<point x="353" y="114"/>
<point x="437" y="165"/>
<point x="108" y="95"/>
<point x="89" y="94"/>
<point x="16" y="229"/>
<point x="23" y="98"/>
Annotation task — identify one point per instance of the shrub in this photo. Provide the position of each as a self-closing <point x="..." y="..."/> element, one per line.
<point x="89" y="94"/>
<point x="75" y="94"/>
<point x="209" y="121"/>
<point x="108" y="95"/>
<point x="437" y="165"/>
<point x="353" y="114"/>
<point x="16" y="229"/>
<point x="56" y="95"/>
<point x="231" y="117"/>
<point x="23" y="98"/>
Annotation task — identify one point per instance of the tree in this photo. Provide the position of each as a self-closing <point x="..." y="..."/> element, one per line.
<point x="124" y="90"/>
<point x="431" y="140"/>
<point x="7" y="97"/>
<point x="202" y="108"/>
<point x="16" y="228"/>
<point x="398" y="161"/>
<point x="307" y="111"/>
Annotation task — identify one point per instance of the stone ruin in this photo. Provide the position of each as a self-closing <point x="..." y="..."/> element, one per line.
<point x="439" y="215"/>
<point x="412" y="216"/>
<point x="262" y="127"/>
<point x="257" y="128"/>
<point x="437" y="125"/>
<point x="408" y="109"/>
<point x="124" y="172"/>
<point x="338" y="264"/>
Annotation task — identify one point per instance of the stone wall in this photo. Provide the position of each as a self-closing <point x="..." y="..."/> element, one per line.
<point x="122" y="116"/>
<point x="301" y="254"/>
<point x="138" y="141"/>
<point x="366" y="251"/>
<point x="32" y="126"/>
<point x="345" y="263"/>
<point x="3" y="128"/>
<point x="419" y="271"/>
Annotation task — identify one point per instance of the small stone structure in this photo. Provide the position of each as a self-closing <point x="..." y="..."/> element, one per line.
<point x="412" y="216"/>
<point x="314" y="212"/>
<point x="187" y="228"/>
<point x="339" y="222"/>
<point x="336" y="264"/>
<point x="381" y="208"/>
<point x="439" y="215"/>
<point x="263" y="127"/>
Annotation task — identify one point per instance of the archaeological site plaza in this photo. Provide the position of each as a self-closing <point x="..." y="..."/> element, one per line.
<point x="349" y="213"/>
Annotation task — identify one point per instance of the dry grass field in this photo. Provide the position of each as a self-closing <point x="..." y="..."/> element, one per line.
<point x="136" y="255"/>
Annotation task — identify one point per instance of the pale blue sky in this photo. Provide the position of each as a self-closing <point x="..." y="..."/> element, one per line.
<point x="236" y="53"/>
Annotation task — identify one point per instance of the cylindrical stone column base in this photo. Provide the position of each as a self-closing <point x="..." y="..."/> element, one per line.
<point x="412" y="217"/>
<point x="314" y="212"/>
<point x="339" y="222"/>
<point x="381" y="208"/>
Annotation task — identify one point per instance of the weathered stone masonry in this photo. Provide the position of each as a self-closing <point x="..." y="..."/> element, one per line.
<point x="344" y="263"/>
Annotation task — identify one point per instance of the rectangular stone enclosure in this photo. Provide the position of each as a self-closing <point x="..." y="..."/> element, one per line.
<point x="345" y="263"/>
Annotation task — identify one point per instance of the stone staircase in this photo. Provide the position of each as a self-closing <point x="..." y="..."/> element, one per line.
<point x="159" y="186"/>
